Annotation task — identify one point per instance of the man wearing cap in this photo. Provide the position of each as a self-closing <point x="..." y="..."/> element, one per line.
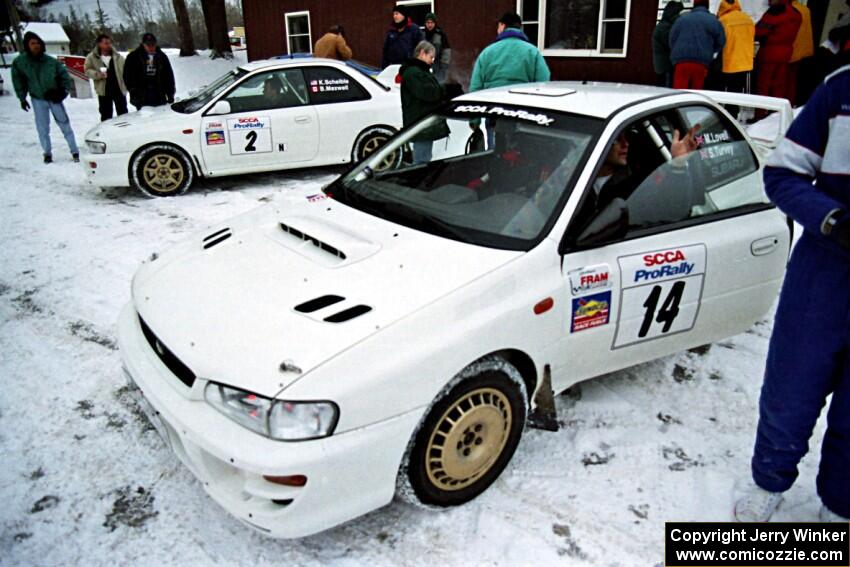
<point x="511" y="59"/>
<point x="148" y="75"/>
<point x="438" y="38"/>
<point x="401" y="38"/>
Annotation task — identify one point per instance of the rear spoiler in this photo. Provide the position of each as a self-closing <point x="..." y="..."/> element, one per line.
<point x="768" y="132"/>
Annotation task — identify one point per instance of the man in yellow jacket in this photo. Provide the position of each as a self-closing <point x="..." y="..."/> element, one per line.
<point x="804" y="47"/>
<point x="739" y="52"/>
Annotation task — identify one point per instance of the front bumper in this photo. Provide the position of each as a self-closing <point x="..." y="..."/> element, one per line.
<point x="107" y="170"/>
<point x="348" y="474"/>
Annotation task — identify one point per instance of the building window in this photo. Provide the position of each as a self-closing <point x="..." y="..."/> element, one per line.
<point x="298" y="38"/>
<point x="418" y="9"/>
<point x="577" y="28"/>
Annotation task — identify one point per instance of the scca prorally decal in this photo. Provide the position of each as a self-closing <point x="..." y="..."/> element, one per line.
<point x="541" y="119"/>
<point x="660" y="265"/>
<point x="589" y="278"/>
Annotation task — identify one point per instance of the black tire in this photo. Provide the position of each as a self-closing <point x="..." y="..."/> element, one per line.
<point x="371" y="140"/>
<point x="161" y="170"/>
<point x="479" y="445"/>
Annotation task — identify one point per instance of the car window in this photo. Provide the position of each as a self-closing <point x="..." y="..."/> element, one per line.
<point x="329" y="86"/>
<point x="284" y="88"/>
<point x="660" y="188"/>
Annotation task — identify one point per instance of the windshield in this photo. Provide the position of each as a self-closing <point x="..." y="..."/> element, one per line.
<point x="197" y="101"/>
<point x="491" y="175"/>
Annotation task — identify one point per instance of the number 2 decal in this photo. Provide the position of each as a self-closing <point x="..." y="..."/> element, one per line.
<point x="661" y="293"/>
<point x="251" y="138"/>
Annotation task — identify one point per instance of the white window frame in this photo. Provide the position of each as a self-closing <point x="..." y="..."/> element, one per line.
<point x="309" y="33"/>
<point x="541" y="34"/>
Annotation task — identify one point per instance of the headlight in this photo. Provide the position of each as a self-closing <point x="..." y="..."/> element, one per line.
<point x="96" y="147"/>
<point x="277" y="419"/>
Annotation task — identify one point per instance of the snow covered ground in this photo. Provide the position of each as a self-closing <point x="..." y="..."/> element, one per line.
<point x="85" y="480"/>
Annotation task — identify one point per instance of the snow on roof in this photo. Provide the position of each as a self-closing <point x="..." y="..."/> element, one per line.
<point x="48" y="32"/>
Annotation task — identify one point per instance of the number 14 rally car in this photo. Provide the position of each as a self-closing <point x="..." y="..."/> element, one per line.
<point x="311" y="359"/>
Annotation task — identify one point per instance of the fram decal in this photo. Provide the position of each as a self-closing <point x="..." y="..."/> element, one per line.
<point x="213" y="126"/>
<point x="589" y="278"/>
<point x="215" y="137"/>
<point x="590" y="311"/>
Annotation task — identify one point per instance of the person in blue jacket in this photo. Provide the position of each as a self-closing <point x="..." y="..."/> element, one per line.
<point x="808" y="178"/>
<point x="402" y="37"/>
<point x="695" y="40"/>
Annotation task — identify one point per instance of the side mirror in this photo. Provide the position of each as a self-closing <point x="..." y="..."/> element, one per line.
<point x="219" y="108"/>
<point x="610" y="225"/>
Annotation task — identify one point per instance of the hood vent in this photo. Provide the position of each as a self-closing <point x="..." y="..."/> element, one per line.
<point x="217" y="238"/>
<point x="315" y="241"/>
<point x="318" y="303"/>
<point x="348" y="314"/>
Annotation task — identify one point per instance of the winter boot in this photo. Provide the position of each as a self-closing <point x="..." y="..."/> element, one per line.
<point x="827" y="515"/>
<point x="75" y="158"/>
<point x="757" y="505"/>
<point x="48" y="158"/>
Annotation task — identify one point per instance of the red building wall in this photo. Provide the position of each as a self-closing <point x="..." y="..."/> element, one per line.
<point x="470" y="25"/>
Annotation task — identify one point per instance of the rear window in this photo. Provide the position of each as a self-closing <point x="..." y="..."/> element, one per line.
<point x="329" y="86"/>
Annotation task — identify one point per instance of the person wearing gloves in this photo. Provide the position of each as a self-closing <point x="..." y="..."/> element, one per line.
<point x="105" y="67"/>
<point x="401" y="38"/>
<point x="47" y="82"/>
<point x="776" y="31"/>
<point x="148" y="75"/>
<point x="739" y="51"/>
<point x="695" y="40"/>
<point x="435" y="35"/>
<point x="661" y="43"/>
<point x="808" y="178"/>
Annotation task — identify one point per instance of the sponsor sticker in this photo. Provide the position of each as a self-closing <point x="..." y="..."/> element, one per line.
<point x="250" y="135"/>
<point x="316" y="197"/>
<point x="589" y="278"/>
<point x="329" y="85"/>
<point x="215" y="137"/>
<point x="538" y="118"/>
<point x="591" y="311"/>
<point x="213" y="126"/>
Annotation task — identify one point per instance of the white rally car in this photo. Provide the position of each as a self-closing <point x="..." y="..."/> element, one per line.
<point x="389" y="335"/>
<point x="263" y="116"/>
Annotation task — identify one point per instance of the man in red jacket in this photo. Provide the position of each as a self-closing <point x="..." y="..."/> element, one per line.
<point x="776" y="32"/>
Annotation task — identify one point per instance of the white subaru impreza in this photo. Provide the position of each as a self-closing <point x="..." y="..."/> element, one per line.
<point x="390" y="334"/>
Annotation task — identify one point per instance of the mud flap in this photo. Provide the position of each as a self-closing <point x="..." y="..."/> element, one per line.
<point x="544" y="415"/>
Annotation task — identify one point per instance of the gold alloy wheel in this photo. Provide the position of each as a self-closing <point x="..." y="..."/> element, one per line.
<point x="372" y="145"/>
<point x="163" y="173"/>
<point x="468" y="439"/>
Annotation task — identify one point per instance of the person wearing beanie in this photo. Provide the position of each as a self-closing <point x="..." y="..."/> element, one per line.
<point x="661" y="43"/>
<point x="776" y="31"/>
<point x="740" y="45"/>
<point x="510" y="60"/>
<point x="435" y="35"/>
<point x="695" y="40"/>
<point x="332" y="45"/>
<point x="401" y="38"/>
<point x="46" y="81"/>
<point x="148" y="75"/>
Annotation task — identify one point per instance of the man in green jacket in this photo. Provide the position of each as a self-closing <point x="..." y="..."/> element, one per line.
<point x="47" y="82"/>
<point x="421" y="93"/>
<point x="510" y="60"/>
<point x="105" y="67"/>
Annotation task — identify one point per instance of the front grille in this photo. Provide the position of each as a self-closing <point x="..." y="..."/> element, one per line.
<point x="167" y="357"/>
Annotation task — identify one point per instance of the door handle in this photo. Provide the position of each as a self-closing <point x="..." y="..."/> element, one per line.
<point x="764" y="246"/>
<point x="302" y="120"/>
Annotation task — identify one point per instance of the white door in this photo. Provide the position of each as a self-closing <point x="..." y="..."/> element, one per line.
<point x="271" y="126"/>
<point x="702" y="257"/>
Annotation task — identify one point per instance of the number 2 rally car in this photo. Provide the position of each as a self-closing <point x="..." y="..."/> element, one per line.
<point x="263" y="116"/>
<point x="389" y="335"/>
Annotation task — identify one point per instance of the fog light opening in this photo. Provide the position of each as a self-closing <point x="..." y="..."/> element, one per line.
<point x="292" y="480"/>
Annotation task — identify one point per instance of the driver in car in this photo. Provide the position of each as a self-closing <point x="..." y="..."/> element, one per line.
<point x="273" y="93"/>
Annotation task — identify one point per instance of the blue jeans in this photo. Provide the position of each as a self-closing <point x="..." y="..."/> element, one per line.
<point x="422" y="152"/>
<point x="42" y="110"/>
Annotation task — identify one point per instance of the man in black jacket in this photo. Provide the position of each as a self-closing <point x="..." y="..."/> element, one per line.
<point x="148" y="75"/>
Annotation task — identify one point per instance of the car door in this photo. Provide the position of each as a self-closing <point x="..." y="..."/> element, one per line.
<point x="271" y="125"/>
<point x="699" y="253"/>
<point x="344" y="109"/>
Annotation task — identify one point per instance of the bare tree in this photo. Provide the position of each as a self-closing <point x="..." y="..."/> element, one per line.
<point x="215" y="17"/>
<point x="139" y="14"/>
<point x="187" y="39"/>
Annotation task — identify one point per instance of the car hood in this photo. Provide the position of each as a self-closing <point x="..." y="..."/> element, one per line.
<point x="225" y="302"/>
<point x="128" y="124"/>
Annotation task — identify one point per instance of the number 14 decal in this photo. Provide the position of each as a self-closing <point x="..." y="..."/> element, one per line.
<point x="669" y="311"/>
